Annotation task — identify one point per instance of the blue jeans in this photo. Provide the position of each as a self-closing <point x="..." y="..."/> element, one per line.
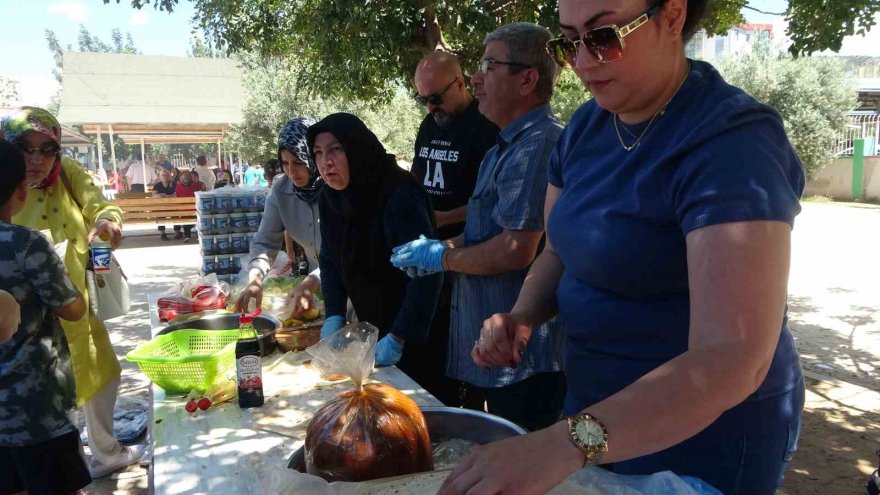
<point x="744" y="452"/>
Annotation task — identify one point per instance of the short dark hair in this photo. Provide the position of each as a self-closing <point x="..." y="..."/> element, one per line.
<point x="272" y="168"/>
<point x="201" y="160"/>
<point x="13" y="167"/>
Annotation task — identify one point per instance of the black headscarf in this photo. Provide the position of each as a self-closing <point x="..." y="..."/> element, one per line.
<point x="353" y="220"/>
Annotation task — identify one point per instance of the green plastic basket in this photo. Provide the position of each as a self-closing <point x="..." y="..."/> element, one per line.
<point x="187" y="359"/>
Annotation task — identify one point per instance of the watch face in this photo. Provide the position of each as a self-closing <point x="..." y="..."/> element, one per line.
<point x="590" y="433"/>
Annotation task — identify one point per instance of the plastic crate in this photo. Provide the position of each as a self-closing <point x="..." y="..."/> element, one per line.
<point x="187" y="360"/>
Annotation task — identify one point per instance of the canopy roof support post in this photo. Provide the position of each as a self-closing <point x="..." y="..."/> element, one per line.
<point x="101" y="151"/>
<point x="219" y="156"/>
<point x="112" y="148"/>
<point x="144" y="163"/>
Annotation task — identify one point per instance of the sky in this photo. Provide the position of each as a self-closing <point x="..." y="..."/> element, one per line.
<point x="25" y="56"/>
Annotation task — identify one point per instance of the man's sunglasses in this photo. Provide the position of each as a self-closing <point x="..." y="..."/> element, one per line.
<point x="486" y="62"/>
<point x="604" y="43"/>
<point x="435" y="99"/>
<point x="45" y="149"/>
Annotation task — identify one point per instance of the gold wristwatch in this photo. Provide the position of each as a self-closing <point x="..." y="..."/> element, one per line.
<point x="589" y="435"/>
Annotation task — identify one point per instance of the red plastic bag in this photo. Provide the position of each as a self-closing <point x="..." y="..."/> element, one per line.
<point x="372" y="431"/>
<point x="193" y="295"/>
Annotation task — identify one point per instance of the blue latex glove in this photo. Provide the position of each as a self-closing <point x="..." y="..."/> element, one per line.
<point x="332" y="324"/>
<point x="420" y="257"/>
<point x="388" y="351"/>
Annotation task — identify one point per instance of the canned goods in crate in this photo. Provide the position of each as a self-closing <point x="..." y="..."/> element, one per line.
<point x="221" y="223"/>
<point x="238" y="242"/>
<point x="222" y="244"/>
<point x="261" y="201"/>
<point x="242" y="203"/>
<point x="224" y="264"/>
<point x="253" y="221"/>
<point x="204" y="202"/>
<point x="237" y="222"/>
<point x="101" y="256"/>
<point x="249" y="239"/>
<point x="226" y="203"/>
<point x="206" y="223"/>
<point x="209" y="264"/>
<point x="207" y="243"/>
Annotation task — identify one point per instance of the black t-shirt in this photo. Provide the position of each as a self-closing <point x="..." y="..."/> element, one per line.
<point x="447" y="160"/>
<point x="161" y="189"/>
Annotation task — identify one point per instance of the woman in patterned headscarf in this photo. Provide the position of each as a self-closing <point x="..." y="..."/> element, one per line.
<point x="64" y="200"/>
<point x="292" y="206"/>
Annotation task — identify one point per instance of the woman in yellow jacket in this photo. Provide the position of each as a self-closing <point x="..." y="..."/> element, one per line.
<point x="50" y="207"/>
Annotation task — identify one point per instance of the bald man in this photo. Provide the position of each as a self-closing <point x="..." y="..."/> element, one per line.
<point x="449" y="149"/>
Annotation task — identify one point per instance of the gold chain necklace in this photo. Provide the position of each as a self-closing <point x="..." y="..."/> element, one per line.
<point x="657" y="114"/>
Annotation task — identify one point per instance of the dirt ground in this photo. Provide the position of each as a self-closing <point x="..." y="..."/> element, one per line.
<point x="834" y="312"/>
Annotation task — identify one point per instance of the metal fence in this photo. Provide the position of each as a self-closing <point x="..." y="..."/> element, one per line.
<point x="862" y="125"/>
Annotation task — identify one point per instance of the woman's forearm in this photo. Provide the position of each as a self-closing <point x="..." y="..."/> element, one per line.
<point x="537" y="298"/>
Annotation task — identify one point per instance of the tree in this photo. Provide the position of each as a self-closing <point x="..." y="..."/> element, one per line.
<point x="198" y="48"/>
<point x="274" y="95"/>
<point x="811" y="93"/>
<point x="9" y="96"/>
<point x="357" y="48"/>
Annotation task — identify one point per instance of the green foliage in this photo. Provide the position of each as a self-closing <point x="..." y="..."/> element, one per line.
<point x="568" y="95"/>
<point x="811" y="93"/>
<point x="275" y="95"/>
<point x="8" y="93"/>
<point x="361" y="49"/>
<point x="198" y="48"/>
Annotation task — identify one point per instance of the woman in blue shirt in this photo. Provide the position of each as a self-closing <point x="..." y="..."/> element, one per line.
<point x="669" y="212"/>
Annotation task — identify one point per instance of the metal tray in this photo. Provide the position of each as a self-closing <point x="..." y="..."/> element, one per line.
<point x="266" y="325"/>
<point x="447" y="423"/>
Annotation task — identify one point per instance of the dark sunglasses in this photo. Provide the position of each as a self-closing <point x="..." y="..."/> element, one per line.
<point x="604" y="43"/>
<point x="486" y="62"/>
<point x="45" y="149"/>
<point x="435" y="99"/>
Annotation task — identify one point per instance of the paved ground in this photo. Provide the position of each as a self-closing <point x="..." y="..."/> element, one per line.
<point x="835" y="317"/>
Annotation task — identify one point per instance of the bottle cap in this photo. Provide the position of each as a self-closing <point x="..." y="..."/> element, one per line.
<point x="249" y="317"/>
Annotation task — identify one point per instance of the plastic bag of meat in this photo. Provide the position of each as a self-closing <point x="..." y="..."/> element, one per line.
<point x="371" y="431"/>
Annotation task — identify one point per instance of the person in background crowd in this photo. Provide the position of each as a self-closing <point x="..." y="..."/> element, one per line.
<point x="670" y="207"/>
<point x="206" y="175"/>
<point x="254" y="175"/>
<point x="162" y="161"/>
<point x="369" y="206"/>
<point x="271" y="170"/>
<point x="40" y="449"/>
<point x="166" y="188"/>
<point x="63" y="200"/>
<point x="135" y="175"/>
<point x="100" y="176"/>
<point x="114" y="181"/>
<point x="186" y="188"/>
<point x="504" y="229"/>
<point x="224" y="179"/>
<point x="449" y="147"/>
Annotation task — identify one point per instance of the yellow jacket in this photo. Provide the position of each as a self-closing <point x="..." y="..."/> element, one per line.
<point x="94" y="360"/>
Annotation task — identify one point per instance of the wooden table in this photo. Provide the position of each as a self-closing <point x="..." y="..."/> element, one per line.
<point x="227" y="449"/>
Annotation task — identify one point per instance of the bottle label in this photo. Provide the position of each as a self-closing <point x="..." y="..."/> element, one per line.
<point x="101" y="258"/>
<point x="250" y="372"/>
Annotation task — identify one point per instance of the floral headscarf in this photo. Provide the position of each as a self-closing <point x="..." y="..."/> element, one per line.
<point x="25" y="119"/>
<point x="293" y="139"/>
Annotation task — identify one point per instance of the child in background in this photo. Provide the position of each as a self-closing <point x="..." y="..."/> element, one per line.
<point x="40" y="450"/>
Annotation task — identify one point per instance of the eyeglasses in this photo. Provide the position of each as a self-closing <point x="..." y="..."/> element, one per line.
<point x="604" y="43"/>
<point x="45" y="149"/>
<point x="435" y="99"/>
<point x="486" y="62"/>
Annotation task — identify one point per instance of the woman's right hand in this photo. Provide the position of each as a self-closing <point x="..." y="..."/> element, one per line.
<point x="301" y="298"/>
<point x="503" y="340"/>
<point x="253" y="291"/>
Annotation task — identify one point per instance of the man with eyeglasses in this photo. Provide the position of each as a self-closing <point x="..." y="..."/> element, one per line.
<point x="449" y="147"/>
<point x="503" y="232"/>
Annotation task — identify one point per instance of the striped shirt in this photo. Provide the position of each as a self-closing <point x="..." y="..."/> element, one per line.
<point x="509" y="195"/>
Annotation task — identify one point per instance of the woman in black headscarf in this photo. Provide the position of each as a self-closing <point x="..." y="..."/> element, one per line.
<point x="369" y="206"/>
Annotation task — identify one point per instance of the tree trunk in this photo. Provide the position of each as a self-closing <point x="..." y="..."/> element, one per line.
<point x="432" y="39"/>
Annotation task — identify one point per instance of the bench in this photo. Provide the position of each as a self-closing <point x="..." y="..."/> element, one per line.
<point x="139" y="208"/>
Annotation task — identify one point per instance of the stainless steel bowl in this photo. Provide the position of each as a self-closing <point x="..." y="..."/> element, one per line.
<point x="266" y="326"/>
<point x="448" y="423"/>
